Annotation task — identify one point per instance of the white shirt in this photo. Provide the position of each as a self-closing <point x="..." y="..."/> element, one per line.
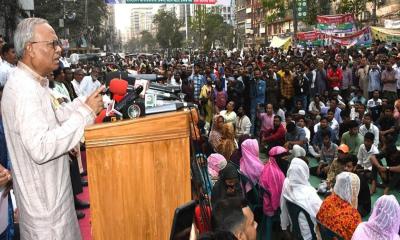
<point x="363" y="156"/>
<point x="372" y="129"/>
<point x="372" y="103"/>
<point x="243" y="125"/>
<point x="65" y="62"/>
<point x="229" y="117"/>
<point x="5" y="68"/>
<point x="308" y="133"/>
<point x="88" y="86"/>
<point x="77" y="88"/>
<point x="38" y="137"/>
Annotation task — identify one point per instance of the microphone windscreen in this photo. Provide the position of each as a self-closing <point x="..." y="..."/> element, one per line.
<point x="101" y="116"/>
<point x="118" y="86"/>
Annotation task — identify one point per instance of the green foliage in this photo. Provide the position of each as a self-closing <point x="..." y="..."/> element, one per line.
<point x="312" y="12"/>
<point x="147" y="42"/>
<point x="352" y="6"/>
<point x="168" y="25"/>
<point x="208" y="29"/>
<point x="52" y="10"/>
<point x="275" y="9"/>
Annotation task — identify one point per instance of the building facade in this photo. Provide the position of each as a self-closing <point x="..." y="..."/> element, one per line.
<point x="141" y="20"/>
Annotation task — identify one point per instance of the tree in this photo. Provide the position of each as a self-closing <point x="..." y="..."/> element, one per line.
<point x="53" y="10"/>
<point x="9" y="14"/>
<point x="312" y="12"/>
<point x="147" y="42"/>
<point x="275" y="9"/>
<point x="168" y="25"/>
<point x="352" y="6"/>
<point x="207" y="28"/>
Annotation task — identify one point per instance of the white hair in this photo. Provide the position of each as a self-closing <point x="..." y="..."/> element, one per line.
<point x="25" y="33"/>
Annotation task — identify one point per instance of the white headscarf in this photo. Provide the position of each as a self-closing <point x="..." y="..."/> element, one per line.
<point x="298" y="151"/>
<point x="298" y="190"/>
<point x="347" y="187"/>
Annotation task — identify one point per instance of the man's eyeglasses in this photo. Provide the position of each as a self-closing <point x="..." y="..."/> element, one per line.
<point x="54" y="43"/>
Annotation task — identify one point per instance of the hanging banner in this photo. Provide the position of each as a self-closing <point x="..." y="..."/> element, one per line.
<point x="278" y="42"/>
<point x="387" y="35"/>
<point x="316" y="38"/>
<point x="336" y="24"/>
<point x="359" y="38"/>
<point x="393" y="24"/>
<point x="311" y="38"/>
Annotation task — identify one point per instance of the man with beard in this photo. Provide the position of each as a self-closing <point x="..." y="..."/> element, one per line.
<point x="389" y="83"/>
<point x="276" y="137"/>
<point x="242" y="124"/>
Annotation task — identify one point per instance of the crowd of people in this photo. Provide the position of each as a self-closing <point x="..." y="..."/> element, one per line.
<point x="265" y="116"/>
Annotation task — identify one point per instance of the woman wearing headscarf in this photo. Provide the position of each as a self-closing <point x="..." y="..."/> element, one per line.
<point x="384" y="222"/>
<point x="227" y="186"/>
<point x="237" y="154"/>
<point x="298" y="190"/>
<point x="228" y="144"/>
<point x="216" y="132"/>
<point x="216" y="162"/>
<point x="250" y="164"/>
<point x="338" y="211"/>
<point x="271" y="180"/>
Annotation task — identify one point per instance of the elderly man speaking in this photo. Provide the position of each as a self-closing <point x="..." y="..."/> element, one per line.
<point x="39" y="137"/>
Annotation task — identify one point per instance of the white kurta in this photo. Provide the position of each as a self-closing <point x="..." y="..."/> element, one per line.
<point x="38" y="139"/>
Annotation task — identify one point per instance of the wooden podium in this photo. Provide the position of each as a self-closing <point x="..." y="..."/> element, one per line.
<point x="138" y="173"/>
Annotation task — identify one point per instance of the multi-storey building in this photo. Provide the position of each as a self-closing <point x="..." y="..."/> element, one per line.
<point x="141" y="20"/>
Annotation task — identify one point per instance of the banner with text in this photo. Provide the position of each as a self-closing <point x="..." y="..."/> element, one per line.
<point x="317" y="38"/>
<point x="336" y="24"/>
<point x="387" y="35"/>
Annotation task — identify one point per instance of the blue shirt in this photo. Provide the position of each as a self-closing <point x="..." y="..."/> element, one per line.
<point x="374" y="80"/>
<point x="198" y="82"/>
<point x="257" y="92"/>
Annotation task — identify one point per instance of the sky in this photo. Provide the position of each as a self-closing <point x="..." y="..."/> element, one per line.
<point x="123" y="11"/>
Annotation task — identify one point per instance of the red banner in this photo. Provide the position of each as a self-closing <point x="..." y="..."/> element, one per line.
<point x="310" y="36"/>
<point x="335" y="19"/>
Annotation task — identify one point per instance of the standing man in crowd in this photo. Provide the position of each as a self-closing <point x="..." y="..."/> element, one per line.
<point x="90" y="83"/>
<point x="9" y="62"/>
<point x="39" y="138"/>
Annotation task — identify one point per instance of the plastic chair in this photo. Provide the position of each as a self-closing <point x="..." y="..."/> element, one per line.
<point x="328" y="234"/>
<point x="294" y="212"/>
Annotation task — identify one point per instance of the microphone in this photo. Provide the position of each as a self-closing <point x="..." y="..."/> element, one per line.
<point x="127" y="101"/>
<point x="118" y="87"/>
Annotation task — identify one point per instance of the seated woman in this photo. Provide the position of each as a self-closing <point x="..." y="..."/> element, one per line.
<point x="216" y="162"/>
<point x="299" y="191"/>
<point x="250" y="164"/>
<point x="338" y="211"/>
<point x="216" y="132"/>
<point x="383" y="223"/>
<point x="271" y="180"/>
<point x="227" y="145"/>
<point x="227" y="186"/>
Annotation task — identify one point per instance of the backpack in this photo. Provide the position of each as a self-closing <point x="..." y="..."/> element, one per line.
<point x="220" y="99"/>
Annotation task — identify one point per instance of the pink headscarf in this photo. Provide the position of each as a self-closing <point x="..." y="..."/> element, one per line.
<point x="216" y="162"/>
<point x="272" y="179"/>
<point x="383" y="223"/>
<point x="250" y="163"/>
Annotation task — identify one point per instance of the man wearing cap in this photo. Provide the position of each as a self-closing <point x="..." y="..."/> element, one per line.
<point x="337" y="165"/>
